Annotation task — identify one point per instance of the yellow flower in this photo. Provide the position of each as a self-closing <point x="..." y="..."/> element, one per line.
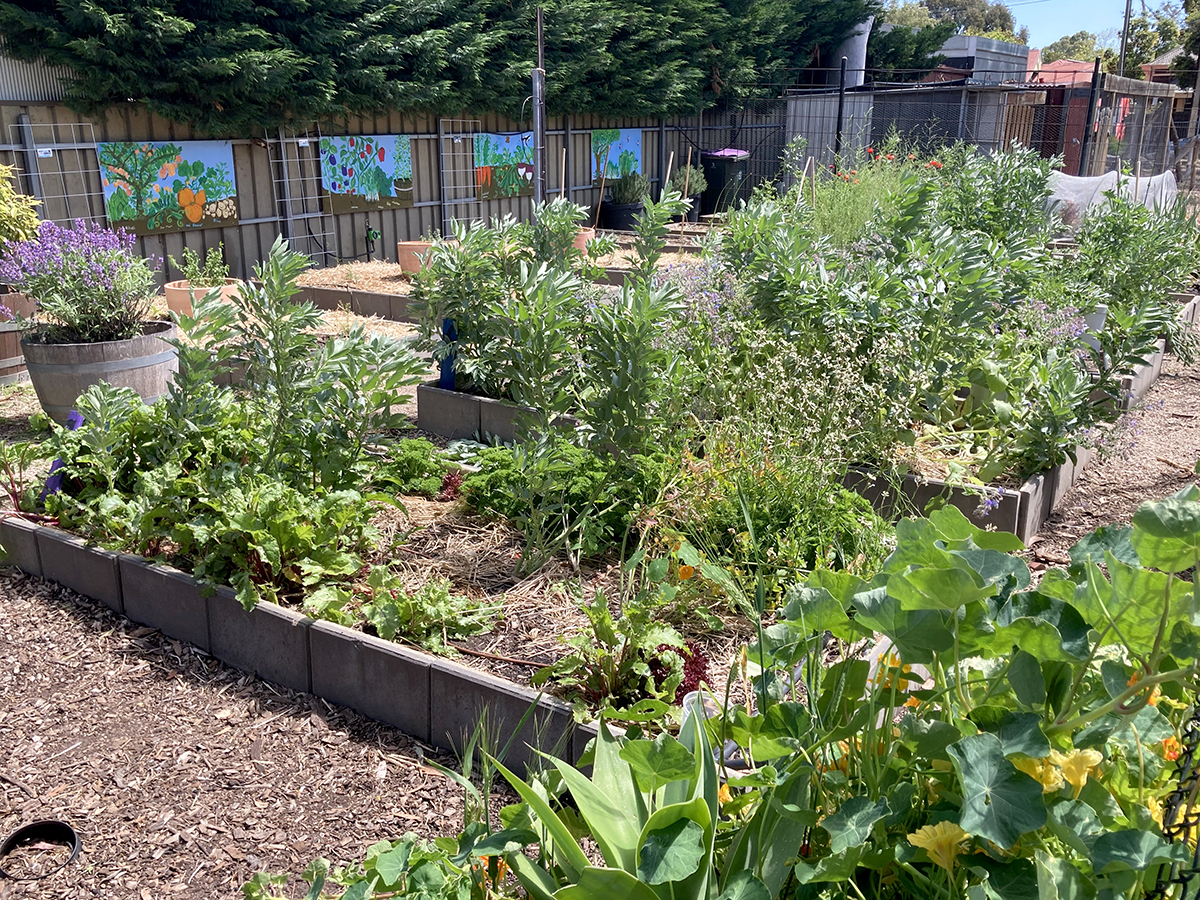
<point x="1076" y="765"/>
<point x="943" y="842"/>
<point x="724" y="794"/>
<point x="1041" y="771"/>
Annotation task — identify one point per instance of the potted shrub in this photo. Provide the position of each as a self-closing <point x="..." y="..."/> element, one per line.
<point x="205" y="275"/>
<point x="92" y="296"/>
<point x="689" y="182"/>
<point x="626" y="202"/>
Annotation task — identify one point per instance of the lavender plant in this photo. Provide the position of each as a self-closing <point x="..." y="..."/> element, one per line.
<point x="87" y="282"/>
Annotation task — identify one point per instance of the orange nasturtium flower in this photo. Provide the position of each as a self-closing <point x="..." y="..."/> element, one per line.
<point x="192" y="204"/>
<point x="1171" y="748"/>
<point x="686" y="572"/>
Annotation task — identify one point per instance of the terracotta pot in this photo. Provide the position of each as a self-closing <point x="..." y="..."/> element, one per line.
<point x="410" y="253"/>
<point x="179" y="294"/>
<point x="581" y="239"/>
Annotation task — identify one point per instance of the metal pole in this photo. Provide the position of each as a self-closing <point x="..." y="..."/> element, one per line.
<point x="1093" y="94"/>
<point x="29" y="151"/>
<point x="1191" y="134"/>
<point x="1125" y="36"/>
<point x="539" y="135"/>
<point x="837" y="140"/>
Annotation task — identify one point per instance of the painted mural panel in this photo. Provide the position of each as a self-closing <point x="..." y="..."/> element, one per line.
<point x="504" y="165"/>
<point x="616" y="151"/>
<point x="157" y="187"/>
<point x="367" y="172"/>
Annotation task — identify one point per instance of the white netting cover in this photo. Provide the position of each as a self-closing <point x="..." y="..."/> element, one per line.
<point x="1073" y="197"/>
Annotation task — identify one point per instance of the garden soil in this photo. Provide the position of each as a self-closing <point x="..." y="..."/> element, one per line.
<point x="185" y="777"/>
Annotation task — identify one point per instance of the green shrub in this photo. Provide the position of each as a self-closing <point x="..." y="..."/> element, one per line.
<point x="413" y="466"/>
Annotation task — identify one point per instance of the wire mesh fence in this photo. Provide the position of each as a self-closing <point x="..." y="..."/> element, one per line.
<point x="1091" y="125"/>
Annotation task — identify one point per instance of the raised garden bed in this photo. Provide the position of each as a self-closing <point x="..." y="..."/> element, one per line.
<point x="1020" y="510"/>
<point x="431" y="698"/>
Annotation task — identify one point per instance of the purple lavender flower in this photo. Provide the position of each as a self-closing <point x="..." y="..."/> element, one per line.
<point x="87" y="280"/>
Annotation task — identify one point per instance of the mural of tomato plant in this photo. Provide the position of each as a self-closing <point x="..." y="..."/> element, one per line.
<point x="154" y="187"/>
<point x="504" y="165"/>
<point x="366" y="172"/>
<point x="618" y="151"/>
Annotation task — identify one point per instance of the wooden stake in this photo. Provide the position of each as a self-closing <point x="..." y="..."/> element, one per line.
<point x="687" y="173"/>
<point x="600" y="199"/>
<point x="670" y="162"/>
<point x="564" y="173"/>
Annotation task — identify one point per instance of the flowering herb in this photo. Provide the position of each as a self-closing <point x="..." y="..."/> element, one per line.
<point x="87" y="282"/>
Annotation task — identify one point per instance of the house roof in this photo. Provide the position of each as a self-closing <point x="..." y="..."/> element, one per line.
<point x="1165" y="60"/>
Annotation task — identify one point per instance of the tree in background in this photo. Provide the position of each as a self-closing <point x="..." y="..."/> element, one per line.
<point x="981" y="17"/>
<point x="909" y="47"/>
<point x="1081" y="46"/>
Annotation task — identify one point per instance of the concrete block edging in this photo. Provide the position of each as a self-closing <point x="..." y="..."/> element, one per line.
<point x="435" y="700"/>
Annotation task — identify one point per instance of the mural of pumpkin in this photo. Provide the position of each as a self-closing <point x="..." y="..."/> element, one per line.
<point x="192" y="204"/>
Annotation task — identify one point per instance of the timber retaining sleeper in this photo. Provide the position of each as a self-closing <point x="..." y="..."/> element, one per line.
<point x="164" y="598"/>
<point x="19" y="540"/>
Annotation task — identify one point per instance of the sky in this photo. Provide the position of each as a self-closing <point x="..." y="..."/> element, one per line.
<point x="1048" y="20"/>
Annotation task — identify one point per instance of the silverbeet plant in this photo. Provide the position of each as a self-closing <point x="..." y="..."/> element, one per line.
<point x="87" y="281"/>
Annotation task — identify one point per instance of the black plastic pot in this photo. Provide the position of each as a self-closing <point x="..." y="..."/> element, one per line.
<point x="619" y="216"/>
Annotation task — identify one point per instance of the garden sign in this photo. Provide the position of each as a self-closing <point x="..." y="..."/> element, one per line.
<point x="367" y="172"/>
<point x="504" y="165"/>
<point x="156" y="187"/>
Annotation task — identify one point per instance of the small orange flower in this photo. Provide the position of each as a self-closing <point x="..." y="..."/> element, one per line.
<point x="870" y="150"/>
<point x="686" y="572"/>
<point x="854" y="171"/>
<point x="1172" y="748"/>
<point x="893" y="156"/>
<point x="912" y="156"/>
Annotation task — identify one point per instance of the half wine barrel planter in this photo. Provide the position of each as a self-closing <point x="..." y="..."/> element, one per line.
<point x="179" y="294"/>
<point x="12" y="360"/>
<point x="61" y="372"/>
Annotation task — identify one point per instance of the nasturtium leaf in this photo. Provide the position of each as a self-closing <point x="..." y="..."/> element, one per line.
<point x="426" y="876"/>
<point x="1136" y="850"/>
<point x="392" y="865"/>
<point x="917" y="635"/>
<point x="1114" y="539"/>
<point x="931" y="737"/>
<point x="1184" y="642"/>
<point x="1016" y="880"/>
<point x="938" y="589"/>
<point x="1026" y="679"/>
<point x="1075" y="824"/>
<point x="953" y="526"/>
<point x="501" y="842"/>
<point x="657" y="570"/>
<point x="1101" y="800"/>
<point x="842" y="586"/>
<point x="360" y="890"/>
<point x="1000" y="803"/>
<point x="1166" y="533"/>
<point x="671" y="853"/>
<point x="1018" y="732"/>
<point x="851" y="825"/>
<point x="816" y="610"/>
<point x="1008" y="572"/>
<point x="658" y="762"/>
<point x="835" y="867"/>
<point x="744" y="885"/>
<point x="1058" y="879"/>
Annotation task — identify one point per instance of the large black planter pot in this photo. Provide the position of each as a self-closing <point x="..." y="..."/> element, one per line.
<point x="619" y="216"/>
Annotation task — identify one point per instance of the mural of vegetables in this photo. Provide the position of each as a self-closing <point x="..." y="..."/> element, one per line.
<point x="504" y="165"/>
<point x="367" y="172"/>
<point x="622" y="147"/>
<point x="154" y="187"/>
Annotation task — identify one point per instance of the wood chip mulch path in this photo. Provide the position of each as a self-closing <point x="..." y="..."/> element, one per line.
<point x="183" y="776"/>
